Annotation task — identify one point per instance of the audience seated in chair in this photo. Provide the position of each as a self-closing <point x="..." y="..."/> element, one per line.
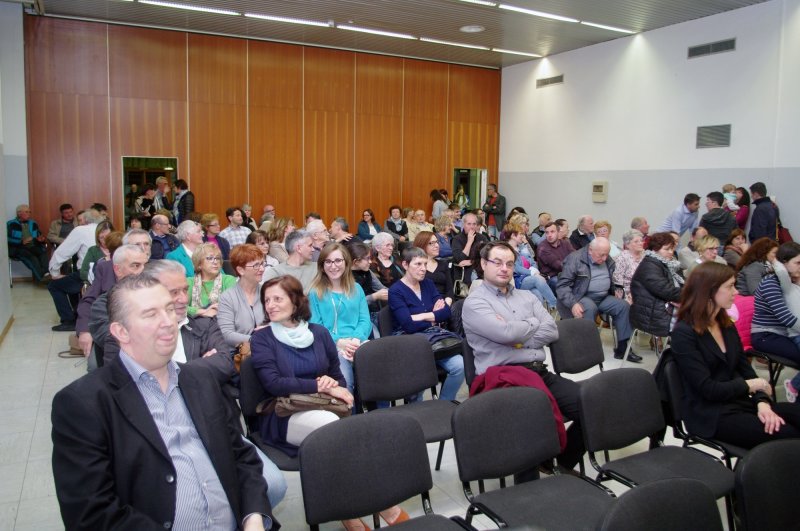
<point x="191" y="237"/>
<point x="298" y="264"/>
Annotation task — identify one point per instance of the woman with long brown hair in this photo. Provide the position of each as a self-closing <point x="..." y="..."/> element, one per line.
<point x="723" y="397"/>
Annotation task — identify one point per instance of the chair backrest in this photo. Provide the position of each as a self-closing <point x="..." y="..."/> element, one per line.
<point x="393" y="367"/>
<point x="672" y="387"/>
<point x="227" y="268"/>
<point x="766" y="479"/>
<point x="578" y="348"/>
<point x="664" y="505"/>
<point x="361" y="465"/>
<point x="385" y="321"/>
<point x="502" y="432"/>
<point x="455" y="324"/>
<point x="250" y="390"/>
<point x="469" y="362"/>
<point x="618" y="408"/>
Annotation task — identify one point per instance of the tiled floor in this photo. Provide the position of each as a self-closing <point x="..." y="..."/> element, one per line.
<point x="31" y="373"/>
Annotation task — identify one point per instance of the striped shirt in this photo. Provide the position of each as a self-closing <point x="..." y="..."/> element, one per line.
<point x="201" y="502"/>
<point x="771" y="312"/>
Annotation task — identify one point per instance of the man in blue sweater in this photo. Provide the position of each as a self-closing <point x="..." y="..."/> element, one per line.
<point x="26" y="243"/>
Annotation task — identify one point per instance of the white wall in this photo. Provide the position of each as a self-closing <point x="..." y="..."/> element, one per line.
<point x="5" y="292"/>
<point x="628" y="112"/>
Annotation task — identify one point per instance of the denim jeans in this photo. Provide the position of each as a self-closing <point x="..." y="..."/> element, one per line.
<point x="347" y="371"/>
<point x="454" y="365"/>
<point x="537" y="285"/>
<point x="66" y="292"/>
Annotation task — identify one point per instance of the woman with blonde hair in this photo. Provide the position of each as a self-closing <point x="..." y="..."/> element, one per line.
<point x="279" y="229"/>
<point x="208" y="282"/>
<point x="338" y="303"/>
<point x="602" y="229"/>
<point x="707" y="249"/>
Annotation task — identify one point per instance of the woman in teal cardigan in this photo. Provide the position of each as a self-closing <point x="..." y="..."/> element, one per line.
<point x="209" y="281"/>
<point x="338" y="303"/>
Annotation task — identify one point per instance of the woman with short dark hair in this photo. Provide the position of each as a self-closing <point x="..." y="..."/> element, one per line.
<point x="656" y="287"/>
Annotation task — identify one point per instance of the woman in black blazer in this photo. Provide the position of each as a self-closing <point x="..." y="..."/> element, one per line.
<point x="723" y="397"/>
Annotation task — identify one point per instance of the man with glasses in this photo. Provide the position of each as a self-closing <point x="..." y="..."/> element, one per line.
<point x="162" y="241"/>
<point x="507" y="329"/>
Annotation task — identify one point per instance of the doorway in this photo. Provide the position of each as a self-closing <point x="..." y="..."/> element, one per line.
<point x="137" y="174"/>
<point x="469" y="187"/>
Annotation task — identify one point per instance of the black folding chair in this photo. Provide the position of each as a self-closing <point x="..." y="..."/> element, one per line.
<point x="364" y="464"/>
<point x="511" y="431"/>
<point x="621" y="407"/>
<point x="392" y="368"/>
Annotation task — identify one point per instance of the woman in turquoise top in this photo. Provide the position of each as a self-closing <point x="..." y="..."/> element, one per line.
<point x="208" y="281"/>
<point x="338" y="303"/>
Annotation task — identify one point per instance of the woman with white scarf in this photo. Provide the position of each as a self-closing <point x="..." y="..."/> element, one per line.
<point x="656" y="287"/>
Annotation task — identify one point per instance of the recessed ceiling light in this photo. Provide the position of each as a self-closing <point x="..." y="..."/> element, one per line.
<point x="289" y="20"/>
<point x="376" y="32"/>
<point x="501" y="50"/>
<point x="472" y="28"/>
<point x="537" y="13"/>
<point x="449" y="43"/>
<point x="191" y="7"/>
<point x="603" y="26"/>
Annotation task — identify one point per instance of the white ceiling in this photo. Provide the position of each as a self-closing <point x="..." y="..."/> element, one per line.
<point x="435" y="19"/>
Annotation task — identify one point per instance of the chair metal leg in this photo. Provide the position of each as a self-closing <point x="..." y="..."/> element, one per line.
<point x="439" y="457"/>
<point x="628" y="349"/>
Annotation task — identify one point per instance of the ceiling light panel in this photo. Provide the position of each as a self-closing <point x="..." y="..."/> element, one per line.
<point x="190" y="7"/>
<point x="449" y="43"/>
<point x="375" y="32"/>
<point x="502" y="50"/>
<point x="603" y="26"/>
<point x="535" y="13"/>
<point x="290" y="20"/>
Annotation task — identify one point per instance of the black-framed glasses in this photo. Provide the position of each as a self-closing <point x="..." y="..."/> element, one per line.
<point x="335" y="261"/>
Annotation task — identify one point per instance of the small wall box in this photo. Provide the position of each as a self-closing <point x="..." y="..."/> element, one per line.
<point x="599" y="191"/>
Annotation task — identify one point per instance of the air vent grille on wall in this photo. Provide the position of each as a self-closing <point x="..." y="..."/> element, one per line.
<point x="714" y="136"/>
<point x="712" y="48"/>
<point x="547" y="81"/>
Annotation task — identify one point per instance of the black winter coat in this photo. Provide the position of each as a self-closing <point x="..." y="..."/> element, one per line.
<point x="652" y="288"/>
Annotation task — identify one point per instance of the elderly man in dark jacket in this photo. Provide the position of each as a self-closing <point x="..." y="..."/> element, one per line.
<point x="585" y="289"/>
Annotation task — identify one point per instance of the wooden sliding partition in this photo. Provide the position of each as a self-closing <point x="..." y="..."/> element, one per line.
<point x="299" y="127"/>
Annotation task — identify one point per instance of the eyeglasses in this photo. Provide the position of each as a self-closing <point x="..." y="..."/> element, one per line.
<point x="499" y="263"/>
<point x="433" y="242"/>
<point x="213" y="259"/>
<point x="335" y="261"/>
<point x="213" y="225"/>
<point x="260" y="265"/>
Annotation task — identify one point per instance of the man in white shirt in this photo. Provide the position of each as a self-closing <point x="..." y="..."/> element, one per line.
<point x="66" y="290"/>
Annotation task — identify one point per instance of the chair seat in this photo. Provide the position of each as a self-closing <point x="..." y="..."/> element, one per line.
<point x="667" y="462"/>
<point x="434" y="416"/>
<point x="431" y="522"/>
<point x="559" y="502"/>
<point x="282" y="460"/>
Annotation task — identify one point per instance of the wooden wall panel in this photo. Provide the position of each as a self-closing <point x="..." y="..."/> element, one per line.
<point x="424" y="132"/>
<point x="67" y="110"/>
<point x="147" y="80"/>
<point x="474" y="119"/>
<point x="275" y="95"/>
<point x="299" y="127"/>
<point x="217" y="122"/>
<point x="378" y="135"/>
<point x="328" y="132"/>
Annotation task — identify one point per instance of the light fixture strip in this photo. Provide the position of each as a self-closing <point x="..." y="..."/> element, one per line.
<point x="189" y="7"/>
<point x="376" y="32"/>
<point x="603" y="26"/>
<point x="289" y="20"/>
<point x="501" y="50"/>
<point x="449" y="43"/>
<point x="481" y="2"/>
<point x="536" y="13"/>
